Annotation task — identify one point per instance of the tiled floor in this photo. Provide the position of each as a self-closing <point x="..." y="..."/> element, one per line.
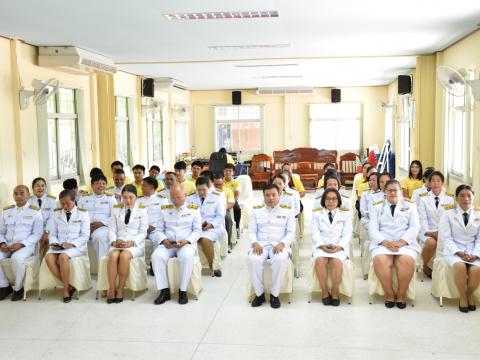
<point x="222" y="325"/>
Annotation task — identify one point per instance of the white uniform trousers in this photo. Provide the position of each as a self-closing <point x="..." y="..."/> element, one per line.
<point x="160" y="258"/>
<point x="100" y="242"/>
<point x="18" y="266"/>
<point x="279" y="265"/>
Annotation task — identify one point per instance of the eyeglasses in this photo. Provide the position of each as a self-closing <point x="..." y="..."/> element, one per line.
<point x="392" y="191"/>
<point x="331" y="199"/>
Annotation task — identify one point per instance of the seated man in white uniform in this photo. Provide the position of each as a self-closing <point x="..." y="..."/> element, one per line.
<point x="170" y="181"/>
<point x="152" y="201"/>
<point x="178" y="229"/>
<point x="393" y="230"/>
<point x="270" y="231"/>
<point x="212" y="209"/>
<point x="21" y="227"/>
<point x="99" y="205"/>
<point x="119" y="181"/>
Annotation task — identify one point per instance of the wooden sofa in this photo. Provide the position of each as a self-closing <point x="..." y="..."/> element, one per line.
<point x="306" y="162"/>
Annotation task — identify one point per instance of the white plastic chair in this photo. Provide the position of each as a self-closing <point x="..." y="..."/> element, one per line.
<point x="79" y="276"/>
<point x="246" y="199"/>
<point x="347" y="285"/>
<point x="136" y="280"/>
<point x="32" y="268"/>
<point x="173" y="273"/>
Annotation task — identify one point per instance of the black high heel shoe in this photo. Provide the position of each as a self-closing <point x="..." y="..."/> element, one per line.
<point x="327" y="300"/>
<point x="463" y="309"/>
<point x="118" y="300"/>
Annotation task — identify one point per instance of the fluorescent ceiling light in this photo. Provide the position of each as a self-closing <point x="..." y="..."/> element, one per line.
<point x="223" y="15"/>
<point x="264" y="65"/>
<point x="252" y="46"/>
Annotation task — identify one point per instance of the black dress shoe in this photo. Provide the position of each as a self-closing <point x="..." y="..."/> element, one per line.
<point x="182" y="297"/>
<point x="118" y="300"/>
<point x="217" y="273"/>
<point x="274" y="301"/>
<point x="163" y="296"/>
<point x="5" y="291"/>
<point x="327" y="300"/>
<point x="259" y="300"/>
<point x="463" y="309"/>
<point x="111" y="301"/>
<point x="67" y="299"/>
<point x="472" y="307"/>
<point x="335" y="302"/>
<point x="17" y="295"/>
<point x="389" y="304"/>
<point x="401" y="305"/>
<point x="71" y="291"/>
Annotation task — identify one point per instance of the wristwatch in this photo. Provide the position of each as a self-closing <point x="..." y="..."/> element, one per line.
<point x="47" y="232"/>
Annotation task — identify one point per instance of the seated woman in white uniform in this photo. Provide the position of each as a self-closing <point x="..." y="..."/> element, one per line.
<point x="393" y="230"/>
<point x="286" y="198"/>
<point x="332" y="182"/>
<point x="128" y="230"/>
<point x="369" y="197"/>
<point x="331" y="234"/>
<point x="289" y="187"/>
<point x="69" y="231"/>
<point x="431" y="206"/>
<point x="459" y="233"/>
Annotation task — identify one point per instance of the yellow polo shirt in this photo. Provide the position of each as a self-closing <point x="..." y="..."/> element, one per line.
<point x="411" y="185"/>
<point x="188" y="186"/>
<point x="229" y="197"/>
<point x="297" y="183"/>
<point x="233" y="185"/>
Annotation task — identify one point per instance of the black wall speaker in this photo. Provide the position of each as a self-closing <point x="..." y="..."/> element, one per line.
<point x="236" y="97"/>
<point x="148" y="87"/>
<point x="404" y="84"/>
<point x="336" y="95"/>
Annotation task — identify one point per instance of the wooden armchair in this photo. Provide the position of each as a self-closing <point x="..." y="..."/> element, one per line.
<point x="261" y="169"/>
<point x="348" y="169"/>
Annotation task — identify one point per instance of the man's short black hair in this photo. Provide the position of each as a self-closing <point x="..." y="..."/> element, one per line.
<point x="119" y="171"/>
<point x="116" y="163"/>
<point x="154" y="167"/>
<point x="201" y="180"/>
<point x="98" y="178"/>
<point x="180" y="165"/>
<point x="151" y="181"/>
<point x="218" y="176"/>
<point x="139" y="167"/>
<point x="129" y="188"/>
<point x="207" y="174"/>
<point x="67" y="193"/>
<point x="230" y="166"/>
<point x="95" y="172"/>
<point x="271" y="186"/>
<point x="197" y="163"/>
<point x="70" y="184"/>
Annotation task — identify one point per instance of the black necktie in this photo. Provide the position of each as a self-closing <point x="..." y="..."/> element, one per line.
<point x="68" y="216"/>
<point x="465" y="218"/>
<point x="437" y="200"/>
<point x="127" y="216"/>
<point x="40" y="203"/>
<point x="202" y="199"/>
<point x="330" y="216"/>
<point x="392" y="208"/>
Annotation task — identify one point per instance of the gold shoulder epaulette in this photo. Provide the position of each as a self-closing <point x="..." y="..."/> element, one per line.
<point x="141" y="206"/>
<point x="58" y="209"/>
<point x="423" y="194"/>
<point x="378" y="202"/>
<point x="161" y="196"/>
<point x="51" y="197"/>
<point x="81" y="209"/>
<point x="287" y="193"/>
<point x="111" y="188"/>
<point x="451" y="195"/>
<point x="283" y="206"/>
<point x="163" y="207"/>
<point x="118" y="206"/>
<point x="344" y="209"/>
<point x="33" y="207"/>
<point x="449" y="207"/>
<point x="215" y="193"/>
<point x="8" y="207"/>
<point x="317" y="209"/>
<point x="108" y="193"/>
<point x="409" y="201"/>
<point x="85" y="193"/>
<point x="141" y="196"/>
<point x="192" y="206"/>
<point x="477" y="208"/>
<point x="192" y="193"/>
<point x="258" y="206"/>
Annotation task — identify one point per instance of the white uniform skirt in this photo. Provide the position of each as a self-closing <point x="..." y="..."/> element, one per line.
<point x="452" y="259"/>
<point x="404" y="250"/>
<point x="341" y="255"/>
<point x="134" y="250"/>
<point x="72" y="252"/>
<point x="213" y="235"/>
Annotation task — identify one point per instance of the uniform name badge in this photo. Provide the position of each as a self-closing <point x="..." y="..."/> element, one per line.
<point x="281" y="217"/>
<point x="185" y="215"/>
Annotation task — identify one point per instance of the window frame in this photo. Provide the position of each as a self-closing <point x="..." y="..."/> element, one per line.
<point x="406" y="123"/>
<point x="150" y="110"/>
<point x="126" y="120"/>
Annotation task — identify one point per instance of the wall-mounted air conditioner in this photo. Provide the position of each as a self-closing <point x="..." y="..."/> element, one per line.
<point x="292" y="90"/>
<point x="166" y="83"/>
<point x="75" y="58"/>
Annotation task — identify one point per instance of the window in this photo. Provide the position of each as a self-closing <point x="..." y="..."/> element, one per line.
<point x="406" y="121"/>
<point x="62" y="135"/>
<point x="153" y="117"/>
<point x="328" y="123"/>
<point x="122" y="129"/>
<point x="239" y="128"/>
<point x="181" y="130"/>
<point x="457" y="115"/>
<point x="389" y="122"/>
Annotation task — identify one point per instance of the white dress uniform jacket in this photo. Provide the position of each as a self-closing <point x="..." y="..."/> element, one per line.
<point x="366" y="201"/>
<point x="153" y="204"/>
<point x="454" y="236"/>
<point x="48" y="206"/>
<point x="429" y="213"/>
<point x="19" y="225"/>
<point x="346" y="202"/>
<point x="76" y="231"/>
<point x="296" y="199"/>
<point x="135" y="230"/>
<point x="212" y="210"/>
<point x="403" y="225"/>
<point x="339" y="232"/>
<point x="288" y="199"/>
<point x="175" y="224"/>
<point x="166" y="194"/>
<point x="417" y="192"/>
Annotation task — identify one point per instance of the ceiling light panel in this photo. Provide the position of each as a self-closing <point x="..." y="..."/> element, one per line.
<point x="248" y="47"/>
<point x="220" y="15"/>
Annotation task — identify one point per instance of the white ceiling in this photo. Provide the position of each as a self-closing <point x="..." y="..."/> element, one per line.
<point x="334" y="43"/>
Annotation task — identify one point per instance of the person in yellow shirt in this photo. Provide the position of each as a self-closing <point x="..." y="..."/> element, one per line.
<point x="154" y="172"/>
<point x="219" y="184"/>
<point x="196" y="170"/>
<point x="138" y="174"/>
<point x="180" y="168"/>
<point x="229" y="157"/>
<point x="234" y="186"/>
<point x="297" y="183"/>
<point x="414" y="179"/>
<point x="114" y="167"/>
<point x="326" y="167"/>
